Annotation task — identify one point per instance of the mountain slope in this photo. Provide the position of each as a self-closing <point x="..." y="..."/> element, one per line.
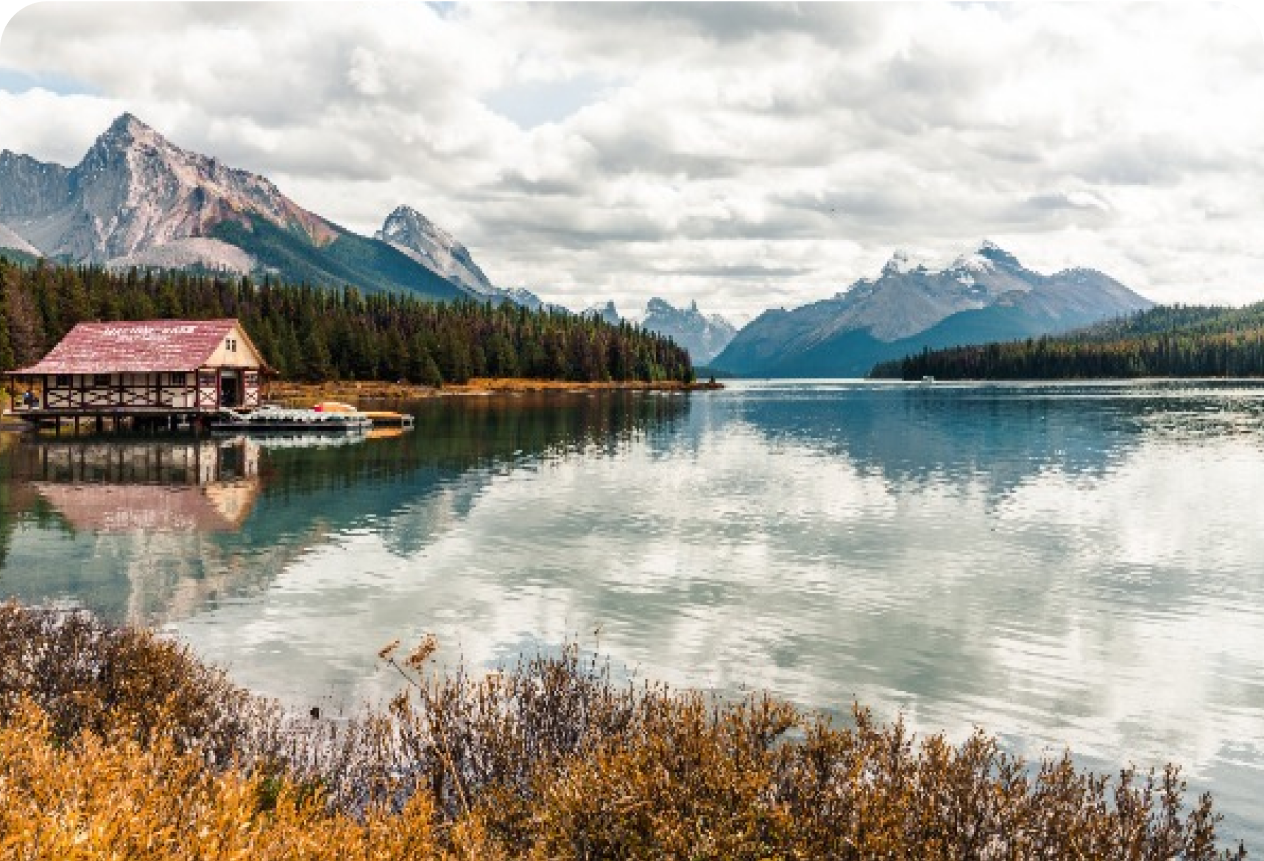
<point x="138" y="199"/>
<point x="10" y="240"/>
<point x="985" y="295"/>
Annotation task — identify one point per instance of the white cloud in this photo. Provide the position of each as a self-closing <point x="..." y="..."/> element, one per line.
<point x="746" y="155"/>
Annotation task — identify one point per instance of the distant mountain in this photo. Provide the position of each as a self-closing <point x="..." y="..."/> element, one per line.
<point x="407" y="230"/>
<point x="605" y="312"/>
<point x="704" y="336"/>
<point x="986" y="295"/>
<point x="138" y="199"/>
<point x="524" y="297"/>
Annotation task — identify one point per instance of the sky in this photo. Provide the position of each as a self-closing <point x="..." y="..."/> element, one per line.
<point x="741" y="155"/>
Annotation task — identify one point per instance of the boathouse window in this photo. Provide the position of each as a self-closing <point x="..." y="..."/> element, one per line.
<point x="177" y="379"/>
<point x="231" y="344"/>
<point x="100" y="379"/>
<point x="63" y="381"/>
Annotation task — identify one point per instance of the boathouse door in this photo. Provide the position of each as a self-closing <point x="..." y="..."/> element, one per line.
<point x="229" y="389"/>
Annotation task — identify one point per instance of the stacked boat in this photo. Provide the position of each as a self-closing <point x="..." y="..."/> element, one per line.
<point x="281" y="420"/>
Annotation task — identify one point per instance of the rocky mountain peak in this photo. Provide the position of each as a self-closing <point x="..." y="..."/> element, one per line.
<point x="125" y="134"/>
<point x="135" y="191"/>
<point x="128" y="123"/>
<point x="704" y="337"/>
<point x="407" y="226"/>
<point x="991" y="251"/>
<point x="415" y="235"/>
<point x="901" y="262"/>
<point x="137" y="199"/>
<point x="607" y="312"/>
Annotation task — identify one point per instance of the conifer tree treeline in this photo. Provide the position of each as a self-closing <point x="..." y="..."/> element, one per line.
<point x="1166" y="341"/>
<point x="309" y="333"/>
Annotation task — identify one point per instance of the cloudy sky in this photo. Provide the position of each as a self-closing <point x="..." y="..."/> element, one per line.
<point x="743" y="155"/>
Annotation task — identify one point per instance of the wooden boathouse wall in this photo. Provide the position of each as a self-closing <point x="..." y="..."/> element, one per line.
<point x="157" y="370"/>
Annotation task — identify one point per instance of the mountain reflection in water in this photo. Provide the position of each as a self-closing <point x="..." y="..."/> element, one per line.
<point x="1062" y="564"/>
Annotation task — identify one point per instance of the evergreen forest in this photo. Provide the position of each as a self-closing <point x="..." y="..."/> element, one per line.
<point x="1164" y="341"/>
<point x="317" y="334"/>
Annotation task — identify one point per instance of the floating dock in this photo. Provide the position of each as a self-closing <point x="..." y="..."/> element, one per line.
<point x="383" y="419"/>
<point x="278" y="420"/>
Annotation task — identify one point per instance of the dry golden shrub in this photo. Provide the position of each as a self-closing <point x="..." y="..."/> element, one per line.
<point x="88" y="675"/>
<point x="114" y="798"/>
<point x="116" y="744"/>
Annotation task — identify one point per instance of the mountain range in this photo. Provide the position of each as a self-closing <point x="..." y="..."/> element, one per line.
<point x="137" y="199"/>
<point x="986" y="295"/>
<point x="703" y="335"/>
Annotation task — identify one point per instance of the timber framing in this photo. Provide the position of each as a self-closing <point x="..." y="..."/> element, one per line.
<point x="156" y="372"/>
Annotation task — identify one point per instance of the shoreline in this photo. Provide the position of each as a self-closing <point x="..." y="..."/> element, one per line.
<point x="352" y="390"/>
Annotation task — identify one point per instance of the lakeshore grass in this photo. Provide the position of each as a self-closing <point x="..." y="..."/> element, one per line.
<point x="116" y="743"/>
<point x="305" y="394"/>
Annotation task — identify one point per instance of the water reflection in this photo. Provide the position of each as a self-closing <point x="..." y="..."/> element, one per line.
<point x="106" y="486"/>
<point x="154" y="530"/>
<point x="1062" y="564"/>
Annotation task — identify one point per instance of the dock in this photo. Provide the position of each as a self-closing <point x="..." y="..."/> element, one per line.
<point x="386" y="419"/>
<point x="279" y="420"/>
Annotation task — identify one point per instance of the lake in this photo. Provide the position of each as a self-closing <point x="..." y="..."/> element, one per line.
<point x="1064" y="565"/>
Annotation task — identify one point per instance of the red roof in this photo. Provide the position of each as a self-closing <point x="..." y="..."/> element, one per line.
<point x="137" y="347"/>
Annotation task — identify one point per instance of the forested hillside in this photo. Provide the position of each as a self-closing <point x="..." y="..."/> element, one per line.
<point x="1165" y="341"/>
<point x="318" y="334"/>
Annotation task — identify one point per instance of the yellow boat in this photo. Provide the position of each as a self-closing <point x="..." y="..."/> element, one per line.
<point x="380" y="418"/>
<point x="384" y="419"/>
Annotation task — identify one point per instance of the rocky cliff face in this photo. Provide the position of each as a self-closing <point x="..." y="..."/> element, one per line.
<point x="984" y="295"/>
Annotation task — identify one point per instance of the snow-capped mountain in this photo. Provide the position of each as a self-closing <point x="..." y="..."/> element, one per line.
<point x="981" y="296"/>
<point x="704" y="336"/>
<point x="137" y="199"/>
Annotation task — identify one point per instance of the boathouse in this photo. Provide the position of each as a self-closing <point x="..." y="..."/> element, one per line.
<point x="153" y="371"/>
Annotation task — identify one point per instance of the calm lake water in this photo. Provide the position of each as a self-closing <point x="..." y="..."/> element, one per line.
<point x="1064" y="565"/>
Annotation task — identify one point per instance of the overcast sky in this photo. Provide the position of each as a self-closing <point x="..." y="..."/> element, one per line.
<point x="743" y="155"/>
